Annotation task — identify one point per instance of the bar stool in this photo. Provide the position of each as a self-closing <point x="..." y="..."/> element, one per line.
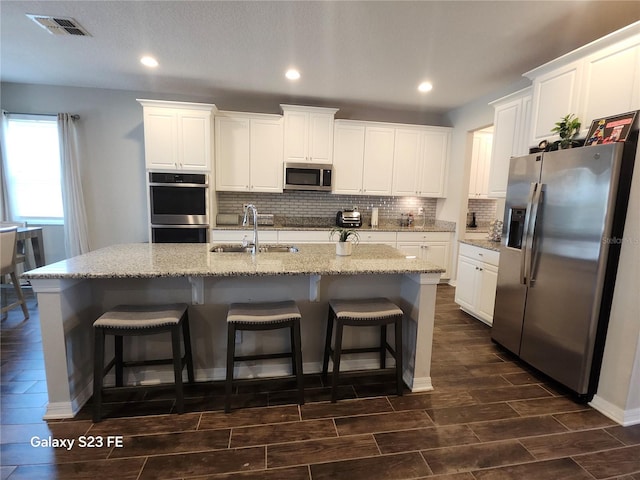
<point x="360" y="313"/>
<point x="132" y="320"/>
<point x="264" y="316"/>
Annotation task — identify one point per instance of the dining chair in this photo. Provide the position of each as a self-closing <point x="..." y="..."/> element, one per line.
<point x="8" y="267"/>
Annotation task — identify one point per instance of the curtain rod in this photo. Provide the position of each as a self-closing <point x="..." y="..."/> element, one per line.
<point x="75" y="117"/>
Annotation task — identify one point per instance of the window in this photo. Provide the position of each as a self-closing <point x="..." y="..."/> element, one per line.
<point x="33" y="168"/>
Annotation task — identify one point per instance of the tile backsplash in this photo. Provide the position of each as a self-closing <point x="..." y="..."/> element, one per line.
<point x="485" y="210"/>
<point x="323" y="204"/>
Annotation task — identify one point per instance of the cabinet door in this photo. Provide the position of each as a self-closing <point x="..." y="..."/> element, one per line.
<point x="321" y="137"/>
<point x="378" y="160"/>
<point x="438" y="254"/>
<point x="348" y="158"/>
<point x="435" y="157"/>
<point x="524" y="130"/>
<point x="488" y="281"/>
<point x="406" y="161"/>
<point x="232" y="153"/>
<point x="194" y="139"/>
<point x="611" y="83"/>
<point x="411" y="248"/>
<point x="480" y="164"/>
<point x="160" y="138"/>
<point x="466" y="283"/>
<point x="505" y="138"/>
<point x="296" y="136"/>
<point x="266" y="155"/>
<point x="555" y="94"/>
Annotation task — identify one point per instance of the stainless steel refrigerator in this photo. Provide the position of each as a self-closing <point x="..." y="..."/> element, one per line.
<point x="563" y="225"/>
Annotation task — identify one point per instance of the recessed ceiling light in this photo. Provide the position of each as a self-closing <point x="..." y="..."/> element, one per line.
<point x="292" y="74"/>
<point x="425" y="87"/>
<point x="149" y="62"/>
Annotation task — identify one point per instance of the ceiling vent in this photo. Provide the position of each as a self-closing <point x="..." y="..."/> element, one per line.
<point x="59" y="25"/>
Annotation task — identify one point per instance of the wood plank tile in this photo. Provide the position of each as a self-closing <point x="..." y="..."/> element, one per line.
<point x="563" y="468"/>
<point x="569" y="444"/>
<point x="621" y="461"/>
<point x="167" y="443"/>
<point x="469" y="383"/>
<point x="627" y="435"/>
<point x="583" y="420"/>
<point x="544" y="406"/>
<point x="282" y="432"/>
<point x="424" y="438"/>
<point x="431" y="400"/>
<point x="382" y="422"/>
<point x="385" y="467"/>
<point x="524" y="378"/>
<point x="345" y="408"/>
<point x="291" y="473"/>
<point x="494" y="369"/>
<point x="249" y="416"/>
<point x="472" y="457"/>
<point x="146" y="425"/>
<point x="516" y="428"/>
<point x="124" y="469"/>
<point x="490" y="395"/>
<point x="325" y="450"/>
<point x="203" y="463"/>
<point x="472" y="413"/>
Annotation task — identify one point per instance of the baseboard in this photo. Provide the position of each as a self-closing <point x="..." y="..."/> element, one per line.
<point x="625" y="418"/>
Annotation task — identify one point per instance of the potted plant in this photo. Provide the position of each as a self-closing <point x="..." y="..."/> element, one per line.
<point x="344" y="247"/>
<point x="567" y="128"/>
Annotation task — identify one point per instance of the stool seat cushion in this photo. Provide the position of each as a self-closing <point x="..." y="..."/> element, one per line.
<point x="365" y="309"/>
<point x="268" y="312"/>
<point x="141" y="316"/>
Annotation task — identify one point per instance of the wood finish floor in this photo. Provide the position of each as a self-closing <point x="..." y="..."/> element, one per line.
<point x="489" y="418"/>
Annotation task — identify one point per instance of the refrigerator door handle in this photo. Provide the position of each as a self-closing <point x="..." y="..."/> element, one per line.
<point x="530" y="254"/>
<point x="525" y="233"/>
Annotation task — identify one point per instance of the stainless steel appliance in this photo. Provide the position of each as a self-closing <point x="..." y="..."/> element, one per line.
<point x="179" y="205"/>
<point x="564" y="216"/>
<point x="307" y="176"/>
<point x="349" y="218"/>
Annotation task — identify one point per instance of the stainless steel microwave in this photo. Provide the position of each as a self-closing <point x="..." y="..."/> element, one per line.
<point x="307" y="176"/>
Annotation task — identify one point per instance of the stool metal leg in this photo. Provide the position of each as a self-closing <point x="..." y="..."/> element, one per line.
<point x="296" y="349"/>
<point x="118" y="344"/>
<point x="186" y="338"/>
<point x="231" y="352"/>
<point x="177" y="368"/>
<point x="327" y="345"/>
<point x="399" y="355"/>
<point x="337" y="350"/>
<point x="98" y="373"/>
<point x="383" y="346"/>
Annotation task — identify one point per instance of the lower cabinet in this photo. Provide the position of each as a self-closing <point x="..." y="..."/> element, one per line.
<point x="476" y="281"/>
<point x="431" y="246"/>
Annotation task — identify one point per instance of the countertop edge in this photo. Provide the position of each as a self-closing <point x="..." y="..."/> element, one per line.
<point x="486" y="244"/>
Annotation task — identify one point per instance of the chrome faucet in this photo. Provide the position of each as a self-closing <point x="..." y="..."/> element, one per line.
<point x="254" y="245"/>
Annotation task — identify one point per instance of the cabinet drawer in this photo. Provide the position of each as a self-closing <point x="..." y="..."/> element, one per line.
<point x="235" y="236"/>
<point x="377" y="237"/>
<point x="424" y="236"/>
<point x="481" y="254"/>
<point x="304" y="236"/>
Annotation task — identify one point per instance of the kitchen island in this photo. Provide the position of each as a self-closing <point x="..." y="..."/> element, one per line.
<point x="74" y="292"/>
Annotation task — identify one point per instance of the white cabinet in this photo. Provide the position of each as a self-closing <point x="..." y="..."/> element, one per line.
<point x="308" y="134"/>
<point x="420" y="160"/>
<point x="480" y="164"/>
<point x="304" y="236"/>
<point x="434" y="247"/>
<point x="476" y="281"/>
<point x="368" y="236"/>
<point x="235" y="236"/>
<point x="362" y="158"/>
<point x="378" y="160"/>
<point x="177" y="135"/>
<point x="600" y="79"/>
<point x="248" y="152"/>
<point x="511" y="124"/>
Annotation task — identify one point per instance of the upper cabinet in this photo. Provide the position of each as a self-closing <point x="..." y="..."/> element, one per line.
<point x="308" y="134"/>
<point x="598" y="80"/>
<point x="510" y="137"/>
<point x="378" y="160"/>
<point x="420" y="161"/>
<point x="480" y="163"/>
<point x="177" y="135"/>
<point x="248" y="152"/>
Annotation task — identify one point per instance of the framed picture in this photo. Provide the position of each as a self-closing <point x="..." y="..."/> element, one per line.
<point x="610" y="129"/>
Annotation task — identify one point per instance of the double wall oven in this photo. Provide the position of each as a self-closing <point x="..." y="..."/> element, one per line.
<point x="179" y="207"/>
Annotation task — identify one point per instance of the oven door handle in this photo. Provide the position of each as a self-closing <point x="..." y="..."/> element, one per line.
<point x="179" y="185"/>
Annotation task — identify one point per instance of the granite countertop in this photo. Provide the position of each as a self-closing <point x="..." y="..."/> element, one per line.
<point x="482" y="243"/>
<point x="154" y="260"/>
<point x="432" y="226"/>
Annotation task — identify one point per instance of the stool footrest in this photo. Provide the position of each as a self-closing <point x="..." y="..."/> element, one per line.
<point x="262" y="356"/>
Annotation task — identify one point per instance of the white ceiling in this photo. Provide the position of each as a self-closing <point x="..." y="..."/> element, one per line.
<point x="373" y="52"/>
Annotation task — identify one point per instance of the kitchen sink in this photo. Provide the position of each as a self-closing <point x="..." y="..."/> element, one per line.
<point x="262" y="249"/>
